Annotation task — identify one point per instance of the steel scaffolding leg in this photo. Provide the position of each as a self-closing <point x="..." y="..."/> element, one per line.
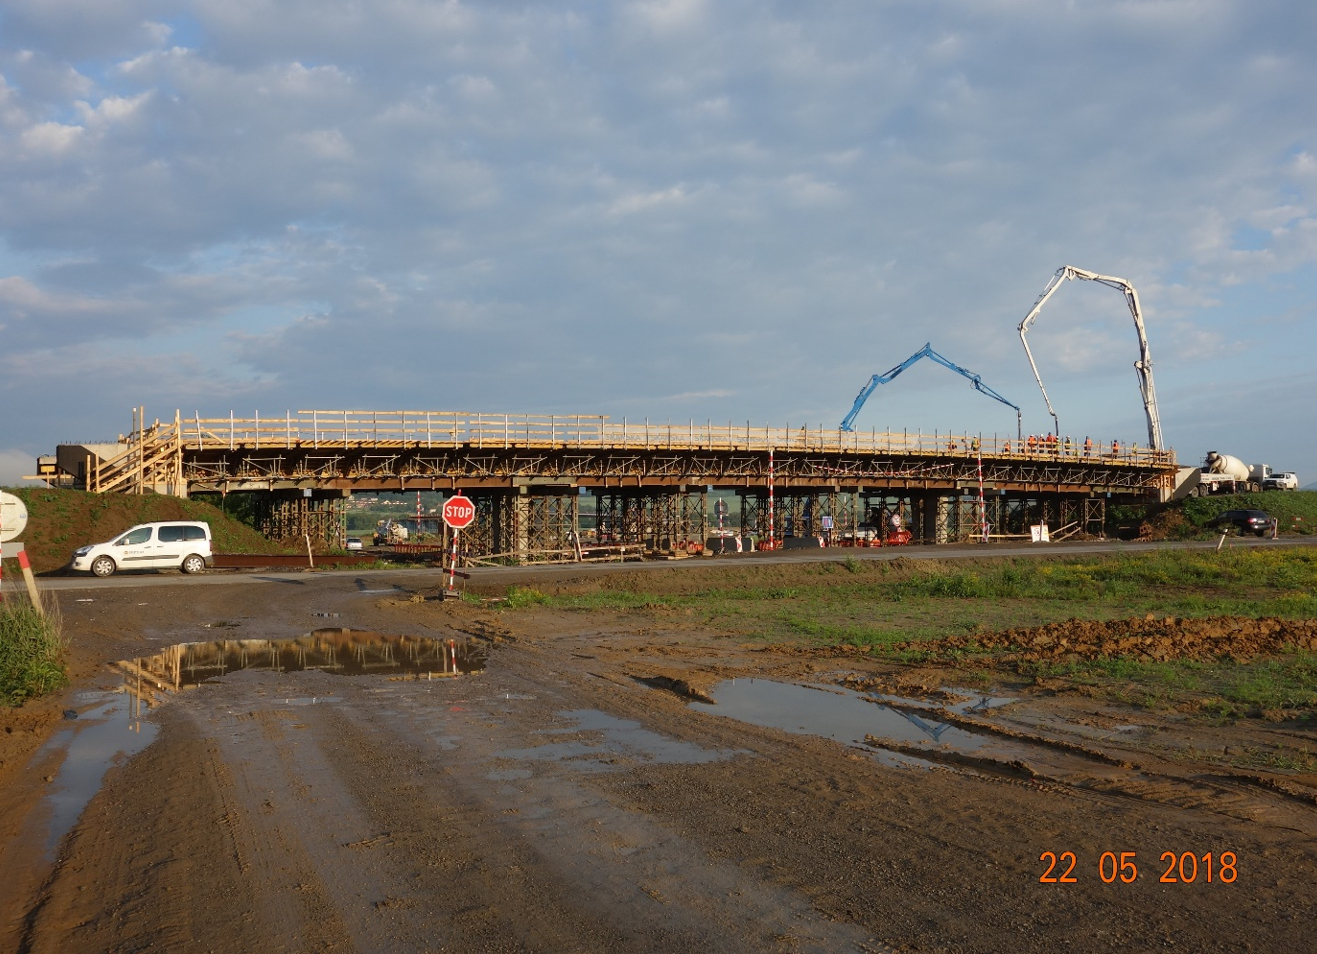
<point x="693" y="519"/>
<point x="291" y="518"/>
<point x="1095" y="516"/>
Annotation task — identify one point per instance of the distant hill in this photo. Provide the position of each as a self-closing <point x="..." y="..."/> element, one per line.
<point x="60" y="521"/>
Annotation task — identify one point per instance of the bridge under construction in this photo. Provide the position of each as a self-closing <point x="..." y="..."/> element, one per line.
<point x="650" y="482"/>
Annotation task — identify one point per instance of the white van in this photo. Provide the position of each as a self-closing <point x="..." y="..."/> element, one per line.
<point x="165" y="545"/>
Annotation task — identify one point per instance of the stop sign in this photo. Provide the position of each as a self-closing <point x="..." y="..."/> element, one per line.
<point x="459" y="512"/>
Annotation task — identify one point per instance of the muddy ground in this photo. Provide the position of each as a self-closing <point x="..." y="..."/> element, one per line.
<point x="580" y="794"/>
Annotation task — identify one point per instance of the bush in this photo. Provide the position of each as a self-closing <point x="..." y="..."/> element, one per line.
<point x="31" y="651"/>
<point x="520" y="597"/>
<point x="1295" y="509"/>
<point x="1192" y="517"/>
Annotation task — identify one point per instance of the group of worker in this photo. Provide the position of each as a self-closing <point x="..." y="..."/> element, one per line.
<point x="1050" y="445"/>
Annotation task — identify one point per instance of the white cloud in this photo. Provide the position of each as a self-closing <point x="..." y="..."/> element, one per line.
<point x="113" y="108"/>
<point x="643" y="202"/>
<point x="50" y="139"/>
<point x="667" y="16"/>
<point x="324" y="144"/>
<point x="749" y="206"/>
<point x="22" y="300"/>
<point x="478" y="89"/>
<point x="15" y="465"/>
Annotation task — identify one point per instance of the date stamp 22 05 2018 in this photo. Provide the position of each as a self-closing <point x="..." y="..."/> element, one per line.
<point x="1122" y="867"/>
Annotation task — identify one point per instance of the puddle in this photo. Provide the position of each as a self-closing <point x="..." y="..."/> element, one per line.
<point x="622" y="740"/>
<point x="312" y="700"/>
<point x="509" y="775"/>
<point x="834" y="713"/>
<point x="846" y="716"/>
<point x="101" y="736"/>
<point x="341" y="652"/>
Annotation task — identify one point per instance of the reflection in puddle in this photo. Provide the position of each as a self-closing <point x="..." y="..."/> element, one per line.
<point x="839" y="714"/>
<point x="342" y="652"/>
<point x="976" y="701"/>
<point x="100" y="737"/>
<point x="620" y="739"/>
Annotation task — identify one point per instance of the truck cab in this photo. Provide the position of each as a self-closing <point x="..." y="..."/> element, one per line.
<point x="1281" y="480"/>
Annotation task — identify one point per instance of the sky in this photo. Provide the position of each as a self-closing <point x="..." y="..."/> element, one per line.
<point x="663" y="209"/>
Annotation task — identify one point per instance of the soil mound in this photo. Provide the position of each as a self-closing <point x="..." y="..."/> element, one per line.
<point x="59" y="521"/>
<point x="1151" y="639"/>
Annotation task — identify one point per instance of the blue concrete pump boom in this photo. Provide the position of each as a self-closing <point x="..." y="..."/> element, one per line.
<point x="925" y="352"/>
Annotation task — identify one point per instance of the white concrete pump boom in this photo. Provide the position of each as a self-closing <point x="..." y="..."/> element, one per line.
<point x="1143" y="366"/>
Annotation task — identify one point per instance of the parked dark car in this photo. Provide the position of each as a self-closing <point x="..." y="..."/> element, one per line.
<point x="1245" y="521"/>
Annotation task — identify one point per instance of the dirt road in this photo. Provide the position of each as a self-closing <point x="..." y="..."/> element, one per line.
<point x="571" y="796"/>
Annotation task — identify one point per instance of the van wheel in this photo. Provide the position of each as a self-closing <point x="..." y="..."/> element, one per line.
<point x="193" y="564"/>
<point x="103" y="566"/>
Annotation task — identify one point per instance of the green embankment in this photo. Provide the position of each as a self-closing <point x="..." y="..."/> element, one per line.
<point x="1295" y="509"/>
<point x="1189" y="519"/>
<point x="60" y="521"/>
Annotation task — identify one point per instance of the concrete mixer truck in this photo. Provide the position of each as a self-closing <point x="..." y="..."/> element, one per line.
<point x="1220" y="474"/>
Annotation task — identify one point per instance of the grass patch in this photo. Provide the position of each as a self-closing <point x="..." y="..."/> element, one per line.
<point x="1275" y="684"/>
<point x="881" y="602"/>
<point x="31" y="652"/>
<point x="1287" y="684"/>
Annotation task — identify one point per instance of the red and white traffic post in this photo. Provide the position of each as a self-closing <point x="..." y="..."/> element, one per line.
<point x="458" y="513"/>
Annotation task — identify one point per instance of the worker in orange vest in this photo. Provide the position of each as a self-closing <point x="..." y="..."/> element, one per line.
<point x="1088" y="447"/>
<point x="1115" y="448"/>
<point x="1033" y="443"/>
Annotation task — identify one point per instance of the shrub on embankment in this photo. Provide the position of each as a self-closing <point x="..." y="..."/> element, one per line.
<point x="1295" y="509"/>
<point x="31" y="651"/>
<point x="60" y="521"/>
<point x="1189" y="519"/>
